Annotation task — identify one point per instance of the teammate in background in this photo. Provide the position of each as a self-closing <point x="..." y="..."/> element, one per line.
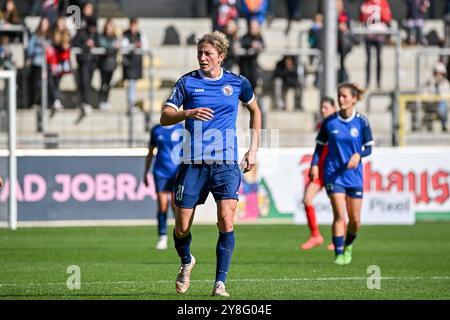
<point x="210" y="99"/>
<point x="163" y="139"/>
<point x="327" y="108"/>
<point x="349" y="138"/>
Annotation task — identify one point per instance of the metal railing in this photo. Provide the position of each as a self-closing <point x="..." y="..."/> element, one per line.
<point x="300" y="52"/>
<point x="419" y="97"/>
<point x="16" y="28"/>
<point x="43" y="111"/>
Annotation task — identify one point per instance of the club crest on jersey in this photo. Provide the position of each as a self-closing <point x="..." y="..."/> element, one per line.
<point x="354" y="132"/>
<point x="227" y="90"/>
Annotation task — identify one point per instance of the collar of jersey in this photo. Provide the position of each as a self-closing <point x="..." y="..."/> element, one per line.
<point x="349" y="118"/>
<point x="200" y="72"/>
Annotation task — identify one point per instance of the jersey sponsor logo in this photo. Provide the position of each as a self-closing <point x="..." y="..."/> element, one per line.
<point x="335" y="131"/>
<point x="227" y="90"/>
<point x="199" y="90"/>
<point x="160" y="137"/>
<point x="354" y="132"/>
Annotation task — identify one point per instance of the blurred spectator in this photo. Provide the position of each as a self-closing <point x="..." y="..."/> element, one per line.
<point x="88" y="13"/>
<point x="252" y="43"/>
<point x="6" y="61"/>
<point x="377" y="16"/>
<point x="233" y="38"/>
<point x="224" y="11"/>
<point x="60" y="64"/>
<point x="10" y="16"/>
<point x="35" y="51"/>
<point x="61" y="41"/>
<point x="416" y="10"/>
<point x="108" y="41"/>
<point x="345" y="40"/>
<point x="86" y="39"/>
<point x="293" y="11"/>
<point x="254" y="10"/>
<point x="9" y="13"/>
<point x="49" y="9"/>
<point x="285" y="78"/>
<point x="439" y="85"/>
<point x="316" y="39"/>
<point x="132" y="62"/>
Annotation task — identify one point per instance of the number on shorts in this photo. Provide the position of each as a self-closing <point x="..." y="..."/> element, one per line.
<point x="179" y="194"/>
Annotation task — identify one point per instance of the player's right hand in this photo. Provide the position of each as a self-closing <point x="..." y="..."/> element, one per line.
<point x="314" y="173"/>
<point x="145" y="180"/>
<point x="203" y="114"/>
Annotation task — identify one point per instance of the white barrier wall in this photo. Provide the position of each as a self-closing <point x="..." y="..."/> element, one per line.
<point x="87" y="187"/>
<point x="400" y="185"/>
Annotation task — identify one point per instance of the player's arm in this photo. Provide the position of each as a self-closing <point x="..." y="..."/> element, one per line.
<point x="148" y="161"/>
<point x="171" y="116"/>
<point x="366" y="148"/>
<point x="249" y="160"/>
<point x="321" y="141"/>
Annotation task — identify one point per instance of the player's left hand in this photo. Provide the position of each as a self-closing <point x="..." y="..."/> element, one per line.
<point x="354" y="161"/>
<point x="249" y="161"/>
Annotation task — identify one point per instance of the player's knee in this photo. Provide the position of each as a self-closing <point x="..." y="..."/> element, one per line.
<point x="355" y="223"/>
<point x="181" y="232"/>
<point x="225" y="224"/>
<point x="339" y="219"/>
<point x="307" y="201"/>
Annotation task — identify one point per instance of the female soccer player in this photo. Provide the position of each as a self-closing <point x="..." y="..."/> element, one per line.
<point x="164" y="139"/>
<point x="349" y="138"/>
<point x="210" y="99"/>
<point x="327" y="108"/>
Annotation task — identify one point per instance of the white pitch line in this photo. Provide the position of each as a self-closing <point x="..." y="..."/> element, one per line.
<point x="230" y="280"/>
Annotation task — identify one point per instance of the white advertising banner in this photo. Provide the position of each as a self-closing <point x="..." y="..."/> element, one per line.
<point x="398" y="183"/>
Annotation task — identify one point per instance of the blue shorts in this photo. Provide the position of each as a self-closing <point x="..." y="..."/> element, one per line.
<point x="195" y="181"/>
<point x="350" y="192"/>
<point x="164" y="184"/>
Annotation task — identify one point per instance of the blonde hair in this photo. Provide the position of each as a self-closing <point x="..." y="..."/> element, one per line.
<point x="217" y="39"/>
<point x="356" y="90"/>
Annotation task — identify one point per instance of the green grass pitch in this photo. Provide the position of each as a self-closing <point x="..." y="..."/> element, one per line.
<point x="121" y="263"/>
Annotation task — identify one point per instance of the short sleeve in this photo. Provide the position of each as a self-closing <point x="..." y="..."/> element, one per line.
<point x="178" y="95"/>
<point x="246" y="95"/>
<point x="322" y="136"/>
<point x="367" y="138"/>
<point x="152" y="142"/>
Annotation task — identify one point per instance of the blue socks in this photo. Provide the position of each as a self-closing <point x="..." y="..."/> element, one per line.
<point x="338" y="244"/>
<point x="162" y="223"/>
<point x="349" y="238"/>
<point x="224" y="251"/>
<point x="183" y="246"/>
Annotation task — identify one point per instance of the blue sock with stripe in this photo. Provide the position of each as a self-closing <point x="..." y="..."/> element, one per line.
<point x="338" y="244"/>
<point x="183" y="246"/>
<point x="224" y="251"/>
<point x="162" y="223"/>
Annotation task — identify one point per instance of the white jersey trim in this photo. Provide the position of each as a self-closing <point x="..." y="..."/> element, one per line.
<point x="251" y="100"/>
<point x="200" y="72"/>
<point x="349" y="118"/>
<point x="171" y="105"/>
<point x="320" y="142"/>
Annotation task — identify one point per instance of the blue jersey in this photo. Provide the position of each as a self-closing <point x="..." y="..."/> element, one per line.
<point x="165" y="139"/>
<point x="213" y="140"/>
<point x="345" y="137"/>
